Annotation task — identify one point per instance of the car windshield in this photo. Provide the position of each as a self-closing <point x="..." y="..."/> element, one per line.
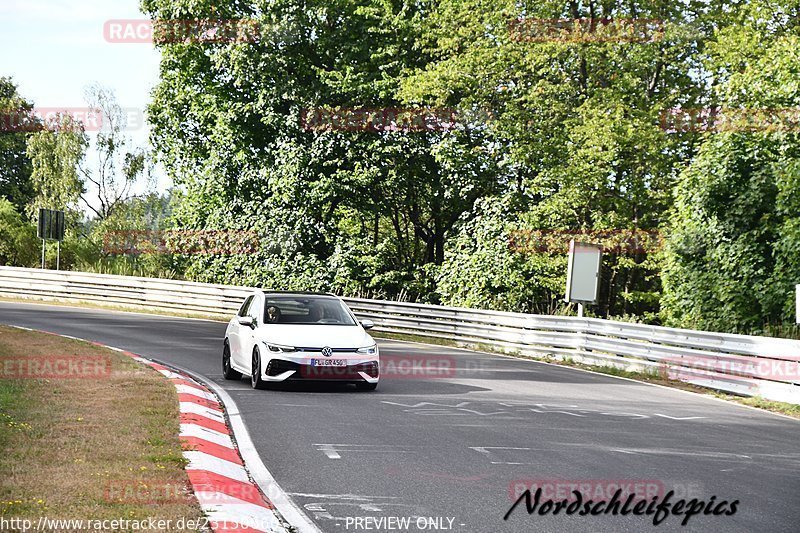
<point x="302" y="309"/>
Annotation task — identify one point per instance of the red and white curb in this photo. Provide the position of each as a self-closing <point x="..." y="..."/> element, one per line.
<point x="228" y="495"/>
<point x="230" y="500"/>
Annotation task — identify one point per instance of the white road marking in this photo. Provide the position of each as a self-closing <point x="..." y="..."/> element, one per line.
<point x="333" y="451"/>
<point x="330" y="451"/>
<point x="460" y="409"/>
<point x="354" y="497"/>
<point x="679" y="417"/>
<point x="715" y="455"/>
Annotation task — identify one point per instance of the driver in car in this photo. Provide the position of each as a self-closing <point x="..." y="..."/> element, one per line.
<point x="273" y="314"/>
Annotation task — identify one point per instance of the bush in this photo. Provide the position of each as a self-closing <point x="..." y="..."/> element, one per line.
<point x="19" y="245"/>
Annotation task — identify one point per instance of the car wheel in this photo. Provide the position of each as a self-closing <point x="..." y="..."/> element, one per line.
<point x="255" y="372"/>
<point x="227" y="370"/>
<point x="366" y="386"/>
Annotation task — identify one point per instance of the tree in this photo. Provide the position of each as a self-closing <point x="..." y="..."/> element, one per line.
<point x="575" y="127"/>
<point x="55" y="153"/>
<point x="18" y="242"/>
<point x="61" y="171"/>
<point x="15" y="167"/>
<point x="732" y="259"/>
<point x="119" y="164"/>
<point x="359" y="210"/>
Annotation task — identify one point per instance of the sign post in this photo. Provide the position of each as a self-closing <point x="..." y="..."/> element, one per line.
<point x="583" y="274"/>
<point x="51" y="226"/>
<point x="797" y="303"/>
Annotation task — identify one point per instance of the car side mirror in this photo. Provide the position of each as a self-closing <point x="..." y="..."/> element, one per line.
<point x="245" y="321"/>
<point x="367" y="323"/>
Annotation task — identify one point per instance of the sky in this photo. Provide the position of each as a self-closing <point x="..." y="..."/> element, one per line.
<point x="54" y="49"/>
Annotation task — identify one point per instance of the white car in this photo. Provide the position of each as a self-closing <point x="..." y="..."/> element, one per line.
<point x="280" y="336"/>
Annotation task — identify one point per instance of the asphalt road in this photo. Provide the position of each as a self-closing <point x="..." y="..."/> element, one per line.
<point x="448" y="448"/>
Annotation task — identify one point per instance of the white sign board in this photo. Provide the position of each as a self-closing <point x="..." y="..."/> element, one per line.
<point x="797" y="303"/>
<point x="583" y="272"/>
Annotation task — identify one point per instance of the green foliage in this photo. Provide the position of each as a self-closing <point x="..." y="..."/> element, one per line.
<point x="18" y="243"/>
<point x="732" y="259"/>
<point x="481" y="270"/>
<point x="55" y="155"/>
<point x="140" y="219"/>
<point x="351" y="211"/>
<point x="15" y="167"/>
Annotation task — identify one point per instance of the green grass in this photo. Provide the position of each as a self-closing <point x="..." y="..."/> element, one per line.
<point x="64" y="441"/>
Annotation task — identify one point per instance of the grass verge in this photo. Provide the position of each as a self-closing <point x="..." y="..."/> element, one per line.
<point x="102" y="446"/>
<point x="658" y="378"/>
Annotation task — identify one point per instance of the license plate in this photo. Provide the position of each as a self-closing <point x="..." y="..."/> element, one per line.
<point x="328" y="362"/>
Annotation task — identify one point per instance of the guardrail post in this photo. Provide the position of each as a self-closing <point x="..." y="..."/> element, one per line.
<point x="581" y="334"/>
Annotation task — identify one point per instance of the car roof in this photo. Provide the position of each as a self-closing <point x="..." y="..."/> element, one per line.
<point x="298" y="293"/>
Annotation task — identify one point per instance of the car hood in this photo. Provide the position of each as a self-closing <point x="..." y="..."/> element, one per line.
<point x="313" y="336"/>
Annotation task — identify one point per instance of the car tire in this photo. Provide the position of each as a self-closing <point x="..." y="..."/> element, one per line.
<point x="366" y="386"/>
<point x="255" y="372"/>
<point x="227" y="370"/>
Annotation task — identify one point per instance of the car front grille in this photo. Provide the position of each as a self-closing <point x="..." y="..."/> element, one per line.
<point x="277" y="367"/>
<point x="319" y="349"/>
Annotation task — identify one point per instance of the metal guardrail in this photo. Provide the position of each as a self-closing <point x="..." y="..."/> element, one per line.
<point x="739" y="364"/>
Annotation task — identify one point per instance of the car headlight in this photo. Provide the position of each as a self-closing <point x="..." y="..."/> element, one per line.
<point x="369" y="350"/>
<point x="277" y="348"/>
